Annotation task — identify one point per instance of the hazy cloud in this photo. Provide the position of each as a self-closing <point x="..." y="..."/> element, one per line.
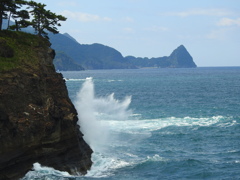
<point x="128" y="19"/>
<point x="128" y="30"/>
<point x="229" y="22"/>
<point x="200" y="12"/>
<point x="84" y="17"/>
<point x="218" y="34"/>
<point x="156" y="29"/>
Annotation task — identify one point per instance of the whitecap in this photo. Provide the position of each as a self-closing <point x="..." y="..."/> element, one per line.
<point x="155" y="158"/>
<point x="40" y="171"/>
<point x="67" y="79"/>
<point x="105" y="166"/>
<point x="149" y="125"/>
<point x="113" y="80"/>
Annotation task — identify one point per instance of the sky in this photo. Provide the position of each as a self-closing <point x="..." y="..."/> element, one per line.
<point x="209" y="29"/>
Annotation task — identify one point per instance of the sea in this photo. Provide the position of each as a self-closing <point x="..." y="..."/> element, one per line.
<point x="156" y="124"/>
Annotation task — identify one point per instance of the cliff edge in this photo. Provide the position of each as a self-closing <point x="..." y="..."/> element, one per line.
<point x="38" y="122"/>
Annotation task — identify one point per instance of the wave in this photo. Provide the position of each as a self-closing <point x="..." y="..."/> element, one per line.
<point x="109" y="126"/>
<point x="113" y="80"/>
<point x="92" y="110"/>
<point x="109" y="80"/>
<point x="43" y="172"/>
<point x="104" y="166"/>
<point x="67" y="79"/>
<point x="149" y="125"/>
<point x="155" y="158"/>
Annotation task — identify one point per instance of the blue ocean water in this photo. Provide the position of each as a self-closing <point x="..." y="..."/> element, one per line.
<point x="157" y="123"/>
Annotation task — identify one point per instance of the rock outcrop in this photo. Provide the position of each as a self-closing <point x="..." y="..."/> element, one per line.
<point x="38" y="122"/>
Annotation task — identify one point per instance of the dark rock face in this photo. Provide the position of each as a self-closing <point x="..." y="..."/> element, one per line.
<point x="38" y="122"/>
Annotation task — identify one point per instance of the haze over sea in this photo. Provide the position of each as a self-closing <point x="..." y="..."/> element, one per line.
<point x="158" y="124"/>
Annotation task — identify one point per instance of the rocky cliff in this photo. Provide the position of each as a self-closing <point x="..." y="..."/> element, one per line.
<point x="38" y="122"/>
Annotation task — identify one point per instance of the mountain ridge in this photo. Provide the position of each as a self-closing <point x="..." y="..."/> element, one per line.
<point x="99" y="56"/>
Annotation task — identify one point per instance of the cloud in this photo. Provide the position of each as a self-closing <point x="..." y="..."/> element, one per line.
<point x="229" y="22"/>
<point x="200" y="12"/>
<point x="84" y="17"/>
<point x="156" y="29"/>
<point x="219" y="34"/>
<point x="128" y="19"/>
<point x="128" y="30"/>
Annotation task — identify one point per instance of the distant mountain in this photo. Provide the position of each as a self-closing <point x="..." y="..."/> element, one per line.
<point x="98" y="56"/>
<point x="63" y="62"/>
<point x="67" y="35"/>
<point x="94" y="56"/>
<point x="146" y="62"/>
<point x="73" y="56"/>
<point x="179" y="58"/>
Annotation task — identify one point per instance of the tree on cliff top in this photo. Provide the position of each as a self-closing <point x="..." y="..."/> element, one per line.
<point x="19" y="15"/>
<point x="42" y="19"/>
<point x="9" y="9"/>
<point x="4" y="8"/>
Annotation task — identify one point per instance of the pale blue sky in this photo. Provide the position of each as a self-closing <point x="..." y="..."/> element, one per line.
<point x="209" y="29"/>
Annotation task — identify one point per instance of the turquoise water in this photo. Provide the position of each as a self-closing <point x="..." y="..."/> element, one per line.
<point x="158" y="124"/>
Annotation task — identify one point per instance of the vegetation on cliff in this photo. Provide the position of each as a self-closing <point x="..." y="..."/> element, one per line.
<point x="19" y="49"/>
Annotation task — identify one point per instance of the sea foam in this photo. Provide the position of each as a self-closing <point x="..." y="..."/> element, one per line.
<point x="40" y="172"/>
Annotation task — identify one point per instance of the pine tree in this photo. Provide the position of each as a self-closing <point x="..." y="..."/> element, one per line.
<point x="5" y="6"/>
<point x="19" y="15"/>
<point x="20" y="18"/>
<point x="44" y="19"/>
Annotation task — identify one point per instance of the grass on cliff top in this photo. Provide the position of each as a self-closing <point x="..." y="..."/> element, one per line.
<point x="21" y="48"/>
